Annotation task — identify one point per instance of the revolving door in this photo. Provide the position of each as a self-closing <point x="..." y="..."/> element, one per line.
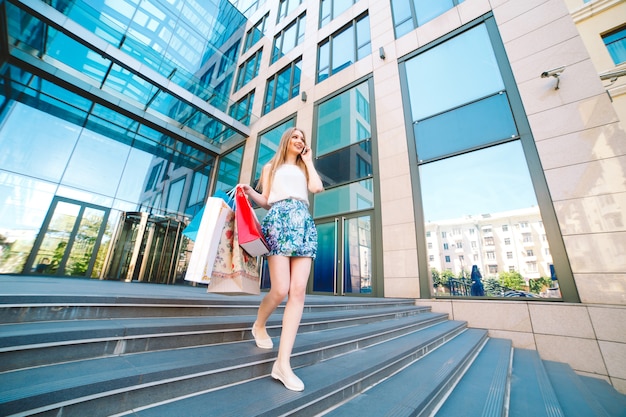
<point x="146" y="248"/>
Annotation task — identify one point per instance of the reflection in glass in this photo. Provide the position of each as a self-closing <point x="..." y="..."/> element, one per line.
<point x="268" y="145"/>
<point x="229" y="170"/>
<point x="343" y="120"/>
<point x="344" y="199"/>
<point x="475" y="124"/>
<point x="357" y="262"/>
<point x="437" y="83"/>
<point x="54" y="244"/>
<point x="81" y="252"/>
<point x="349" y="164"/>
<point x="324" y="274"/>
<point x="480" y="209"/>
<point x="41" y="153"/>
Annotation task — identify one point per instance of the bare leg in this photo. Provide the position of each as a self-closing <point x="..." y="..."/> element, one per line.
<point x="279" y="277"/>
<point x="300" y="268"/>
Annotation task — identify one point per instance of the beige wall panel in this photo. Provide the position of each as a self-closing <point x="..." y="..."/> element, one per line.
<point x="399" y="237"/>
<point x="395" y="187"/>
<point x="398" y="212"/>
<point x="596" y="143"/>
<point x="581" y="354"/>
<point x="394" y="166"/>
<point x="402" y="287"/>
<point x="596" y="214"/>
<point x="437" y="306"/>
<point x="584" y="114"/>
<point x="400" y="263"/>
<point x="597" y="253"/>
<point x="601" y="288"/>
<point x="510" y="316"/>
<point x="609" y="323"/>
<point x="520" y="340"/>
<point x="438" y="27"/>
<point x="615" y="358"/>
<point x="605" y="176"/>
<point x="471" y="9"/>
<point x="562" y="320"/>
<point x="391" y="140"/>
<point x="506" y="10"/>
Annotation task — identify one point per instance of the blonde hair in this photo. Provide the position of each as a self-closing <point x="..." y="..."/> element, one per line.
<point x="281" y="155"/>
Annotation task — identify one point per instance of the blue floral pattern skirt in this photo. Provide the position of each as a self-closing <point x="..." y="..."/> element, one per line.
<point x="289" y="229"/>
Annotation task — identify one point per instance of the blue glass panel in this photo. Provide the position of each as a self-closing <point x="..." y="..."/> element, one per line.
<point x="357" y="252"/>
<point x="343" y="50"/>
<point x="429" y="9"/>
<point x="136" y="173"/>
<point x="268" y="145"/>
<point x="616" y="45"/>
<point x="364" y="45"/>
<point x="323" y="62"/>
<point x="283" y="86"/>
<point x="490" y="180"/>
<point x="458" y="71"/>
<point x="336" y="120"/>
<point x="229" y="170"/>
<point x="344" y="199"/>
<point x="324" y="264"/>
<point x="43" y="152"/>
<point x="174" y="195"/>
<point x="96" y="164"/>
<point x="340" y="167"/>
<point x="479" y="123"/>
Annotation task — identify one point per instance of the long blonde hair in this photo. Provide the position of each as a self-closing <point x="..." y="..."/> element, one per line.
<point x="280" y="157"/>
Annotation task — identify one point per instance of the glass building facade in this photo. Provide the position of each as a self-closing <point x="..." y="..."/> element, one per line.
<point x="119" y="118"/>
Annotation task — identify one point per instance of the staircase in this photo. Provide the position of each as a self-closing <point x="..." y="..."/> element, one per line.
<point x="192" y="355"/>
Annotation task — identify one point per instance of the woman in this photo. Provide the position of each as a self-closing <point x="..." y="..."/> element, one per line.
<point x="291" y="235"/>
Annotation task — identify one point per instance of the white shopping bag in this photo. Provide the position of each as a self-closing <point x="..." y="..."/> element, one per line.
<point x="207" y="240"/>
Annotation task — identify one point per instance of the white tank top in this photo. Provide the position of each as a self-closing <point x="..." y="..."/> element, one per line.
<point x="289" y="182"/>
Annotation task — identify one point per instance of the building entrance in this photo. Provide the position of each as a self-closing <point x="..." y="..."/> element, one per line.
<point x="146" y="248"/>
<point x="69" y="239"/>
<point x="343" y="265"/>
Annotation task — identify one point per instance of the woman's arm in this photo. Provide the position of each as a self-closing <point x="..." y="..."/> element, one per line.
<point x="315" y="184"/>
<point x="260" y="199"/>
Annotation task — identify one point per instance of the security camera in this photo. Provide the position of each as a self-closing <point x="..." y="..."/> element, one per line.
<point x="553" y="72"/>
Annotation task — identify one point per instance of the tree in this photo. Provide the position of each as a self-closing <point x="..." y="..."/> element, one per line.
<point x="513" y="280"/>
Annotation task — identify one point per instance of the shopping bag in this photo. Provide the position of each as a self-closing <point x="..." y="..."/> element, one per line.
<point x="250" y="235"/>
<point x="235" y="272"/>
<point x="207" y="239"/>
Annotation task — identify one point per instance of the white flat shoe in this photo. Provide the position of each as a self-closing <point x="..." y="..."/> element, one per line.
<point x="291" y="382"/>
<point x="262" y="343"/>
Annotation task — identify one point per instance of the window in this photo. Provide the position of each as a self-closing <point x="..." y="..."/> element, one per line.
<point x="229" y="170"/>
<point x="430" y="245"/>
<point x="615" y="42"/>
<point x="268" y="145"/>
<point x="523" y="225"/>
<point x="242" y="110"/>
<point x="174" y="196"/>
<point x="344" y="48"/>
<point x="505" y="227"/>
<point x="443" y="234"/>
<point x="530" y="252"/>
<point x="344" y="151"/>
<point x="288" y="38"/>
<point x="491" y="255"/>
<point x="509" y="255"/>
<point x="255" y="33"/>
<point x="527" y="238"/>
<point x="199" y="185"/>
<point x="283" y="86"/>
<point x="445" y="246"/>
<point x="329" y="9"/>
<point x="473" y="245"/>
<point x="286" y="7"/>
<point x="456" y="231"/>
<point x="229" y="58"/>
<point x="409" y="14"/>
<point x="248" y="70"/>
<point x="472" y="231"/>
<point x="427" y="234"/>
<point x="459" y="244"/>
<point x="489" y="241"/>
<point x="493" y="269"/>
<point x="447" y="259"/>
<point x="507" y="241"/>
<point x="431" y="258"/>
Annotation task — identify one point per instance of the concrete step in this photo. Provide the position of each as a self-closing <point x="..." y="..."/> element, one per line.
<point x="574" y="396"/>
<point x="24" y="345"/>
<point x="36" y="308"/>
<point x="418" y="388"/>
<point x="484" y="387"/>
<point x="327" y="382"/>
<point x="612" y="401"/>
<point x="532" y="393"/>
<point x="114" y="384"/>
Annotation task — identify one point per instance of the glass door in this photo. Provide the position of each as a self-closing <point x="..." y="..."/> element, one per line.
<point x="69" y="239"/>
<point x="344" y="261"/>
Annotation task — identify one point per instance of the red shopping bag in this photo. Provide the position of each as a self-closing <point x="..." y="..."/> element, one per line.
<point x="248" y="226"/>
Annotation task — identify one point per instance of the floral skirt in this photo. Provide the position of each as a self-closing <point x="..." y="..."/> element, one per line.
<point x="289" y="229"/>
